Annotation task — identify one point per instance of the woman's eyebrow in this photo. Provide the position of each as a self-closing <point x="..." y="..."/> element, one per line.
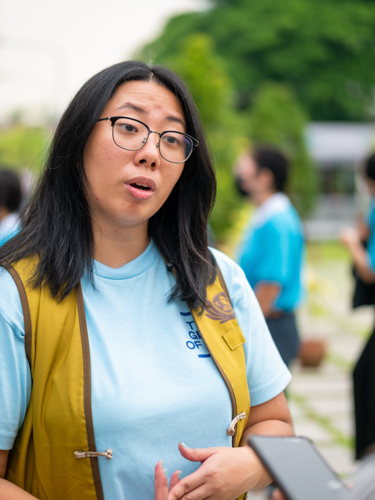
<point x="175" y="119"/>
<point x="138" y="109"/>
<point x="128" y="105"/>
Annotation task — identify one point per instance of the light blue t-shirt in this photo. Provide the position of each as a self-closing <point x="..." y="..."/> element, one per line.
<point x="154" y="383"/>
<point x="370" y="220"/>
<point x="9" y="227"/>
<point x="272" y="250"/>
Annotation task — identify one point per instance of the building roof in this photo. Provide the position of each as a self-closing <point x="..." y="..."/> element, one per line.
<point x="331" y="142"/>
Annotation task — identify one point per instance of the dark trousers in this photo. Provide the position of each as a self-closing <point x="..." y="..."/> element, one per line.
<point x="285" y="335"/>
<point x="364" y="398"/>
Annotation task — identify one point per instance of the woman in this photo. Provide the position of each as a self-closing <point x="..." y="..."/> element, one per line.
<point x="107" y="280"/>
<point x="364" y="264"/>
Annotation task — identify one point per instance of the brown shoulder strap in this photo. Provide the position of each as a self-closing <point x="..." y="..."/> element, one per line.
<point x="25" y="308"/>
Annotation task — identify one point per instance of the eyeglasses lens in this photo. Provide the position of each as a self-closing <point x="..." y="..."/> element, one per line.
<point x="132" y="135"/>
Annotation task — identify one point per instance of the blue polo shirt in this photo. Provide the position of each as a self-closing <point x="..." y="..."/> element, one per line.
<point x="273" y="248"/>
<point x="9" y="227"/>
<point x="370" y="220"/>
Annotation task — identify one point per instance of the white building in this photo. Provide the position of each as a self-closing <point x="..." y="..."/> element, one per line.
<point x="338" y="149"/>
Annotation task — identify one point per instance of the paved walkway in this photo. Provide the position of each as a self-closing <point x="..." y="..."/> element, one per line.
<point x="321" y="398"/>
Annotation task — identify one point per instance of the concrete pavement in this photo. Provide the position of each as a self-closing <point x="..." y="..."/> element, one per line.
<point x="321" y="398"/>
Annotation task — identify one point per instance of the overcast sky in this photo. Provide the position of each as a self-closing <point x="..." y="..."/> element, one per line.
<point x="49" y="48"/>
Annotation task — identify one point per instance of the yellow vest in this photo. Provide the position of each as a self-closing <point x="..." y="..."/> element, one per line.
<point x="58" y="422"/>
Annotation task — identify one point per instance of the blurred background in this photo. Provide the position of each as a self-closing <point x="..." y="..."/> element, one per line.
<point x="298" y="74"/>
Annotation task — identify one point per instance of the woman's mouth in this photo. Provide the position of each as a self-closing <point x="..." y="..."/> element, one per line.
<point x="138" y="185"/>
<point x="141" y="190"/>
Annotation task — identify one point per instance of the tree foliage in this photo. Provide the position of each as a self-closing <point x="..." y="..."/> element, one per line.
<point x="323" y="49"/>
<point x="277" y="119"/>
<point x="23" y="147"/>
<point x="212" y="90"/>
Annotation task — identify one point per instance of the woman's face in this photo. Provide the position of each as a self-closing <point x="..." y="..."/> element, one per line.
<point x="126" y="188"/>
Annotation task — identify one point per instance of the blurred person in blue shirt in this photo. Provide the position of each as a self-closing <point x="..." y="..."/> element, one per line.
<point x="271" y="253"/>
<point x="363" y="257"/>
<point x="10" y="201"/>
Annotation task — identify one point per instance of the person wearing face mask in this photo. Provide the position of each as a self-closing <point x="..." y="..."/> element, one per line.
<point x="271" y="253"/>
<point x="122" y="334"/>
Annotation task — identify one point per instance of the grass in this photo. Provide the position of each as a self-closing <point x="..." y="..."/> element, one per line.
<point x="326" y="250"/>
<point x="325" y="422"/>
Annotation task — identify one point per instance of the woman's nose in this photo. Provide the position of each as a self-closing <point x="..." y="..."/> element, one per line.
<point x="149" y="154"/>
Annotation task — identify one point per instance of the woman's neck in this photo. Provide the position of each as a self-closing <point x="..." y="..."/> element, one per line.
<point x="4" y="212"/>
<point x="117" y="248"/>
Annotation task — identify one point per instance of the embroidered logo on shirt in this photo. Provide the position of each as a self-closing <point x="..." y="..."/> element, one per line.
<point x="196" y="340"/>
<point x="220" y="309"/>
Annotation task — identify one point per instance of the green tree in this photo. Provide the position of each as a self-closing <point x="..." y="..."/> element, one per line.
<point x="23" y="147"/>
<point x="204" y="73"/>
<point x="277" y="119"/>
<point x="323" y="49"/>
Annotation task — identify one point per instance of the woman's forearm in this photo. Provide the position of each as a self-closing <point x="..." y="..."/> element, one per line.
<point x="9" y="491"/>
<point x="268" y="427"/>
<point x="271" y="427"/>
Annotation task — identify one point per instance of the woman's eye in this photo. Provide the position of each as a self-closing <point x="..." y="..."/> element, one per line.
<point x="173" y="141"/>
<point x="127" y="127"/>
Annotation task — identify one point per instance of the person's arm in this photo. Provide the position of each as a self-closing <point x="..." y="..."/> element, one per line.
<point x="351" y="239"/>
<point x="226" y="473"/>
<point x="363" y="228"/>
<point x="267" y="293"/>
<point x="9" y="491"/>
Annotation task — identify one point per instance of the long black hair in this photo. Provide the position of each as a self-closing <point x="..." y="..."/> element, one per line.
<point x="57" y="226"/>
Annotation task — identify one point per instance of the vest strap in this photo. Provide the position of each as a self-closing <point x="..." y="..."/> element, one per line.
<point x="25" y="309"/>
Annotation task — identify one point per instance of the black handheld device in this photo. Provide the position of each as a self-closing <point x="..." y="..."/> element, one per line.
<point x="297" y="468"/>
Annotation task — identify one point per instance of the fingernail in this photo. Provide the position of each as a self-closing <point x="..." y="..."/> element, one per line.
<point x="162" y="463"/>
<point x="165" y="472"/>
<point x="183" y="444"/>
<point x="179" y="474"/>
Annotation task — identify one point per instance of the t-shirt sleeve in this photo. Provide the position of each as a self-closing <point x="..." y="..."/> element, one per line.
<point x="370" y="219"/>
<point x="15" y="376"/>
<point x="267" y="375"/>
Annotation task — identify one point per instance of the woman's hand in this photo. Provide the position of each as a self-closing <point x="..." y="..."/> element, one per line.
<point x="349" y="237"/>
<point x="225" y="474"/>
<point x="161" y="481"/>
<point x="277" y="495"/>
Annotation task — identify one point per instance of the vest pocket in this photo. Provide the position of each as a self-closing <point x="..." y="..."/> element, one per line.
<point x="234" y="338"/>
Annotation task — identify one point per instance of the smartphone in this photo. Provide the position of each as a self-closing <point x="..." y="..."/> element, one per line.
<point x="298" y="469"/>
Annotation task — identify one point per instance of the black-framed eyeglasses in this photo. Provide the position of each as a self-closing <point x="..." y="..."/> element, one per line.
<point x="132" y="135"/>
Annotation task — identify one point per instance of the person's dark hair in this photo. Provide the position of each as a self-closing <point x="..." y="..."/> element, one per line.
<point x="10" y="190"/>
<point x="56" y="226"/>
<point x="369" y="167"/>
<point x="274" y="160"/>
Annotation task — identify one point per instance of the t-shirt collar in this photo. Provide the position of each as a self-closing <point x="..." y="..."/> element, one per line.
<point x="132" y="268"/>
<point x="276" y="203"/>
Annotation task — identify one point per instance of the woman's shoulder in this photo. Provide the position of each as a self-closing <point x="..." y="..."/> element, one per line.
<point x="10" y="303"/>
<point x="234" y="276"/>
